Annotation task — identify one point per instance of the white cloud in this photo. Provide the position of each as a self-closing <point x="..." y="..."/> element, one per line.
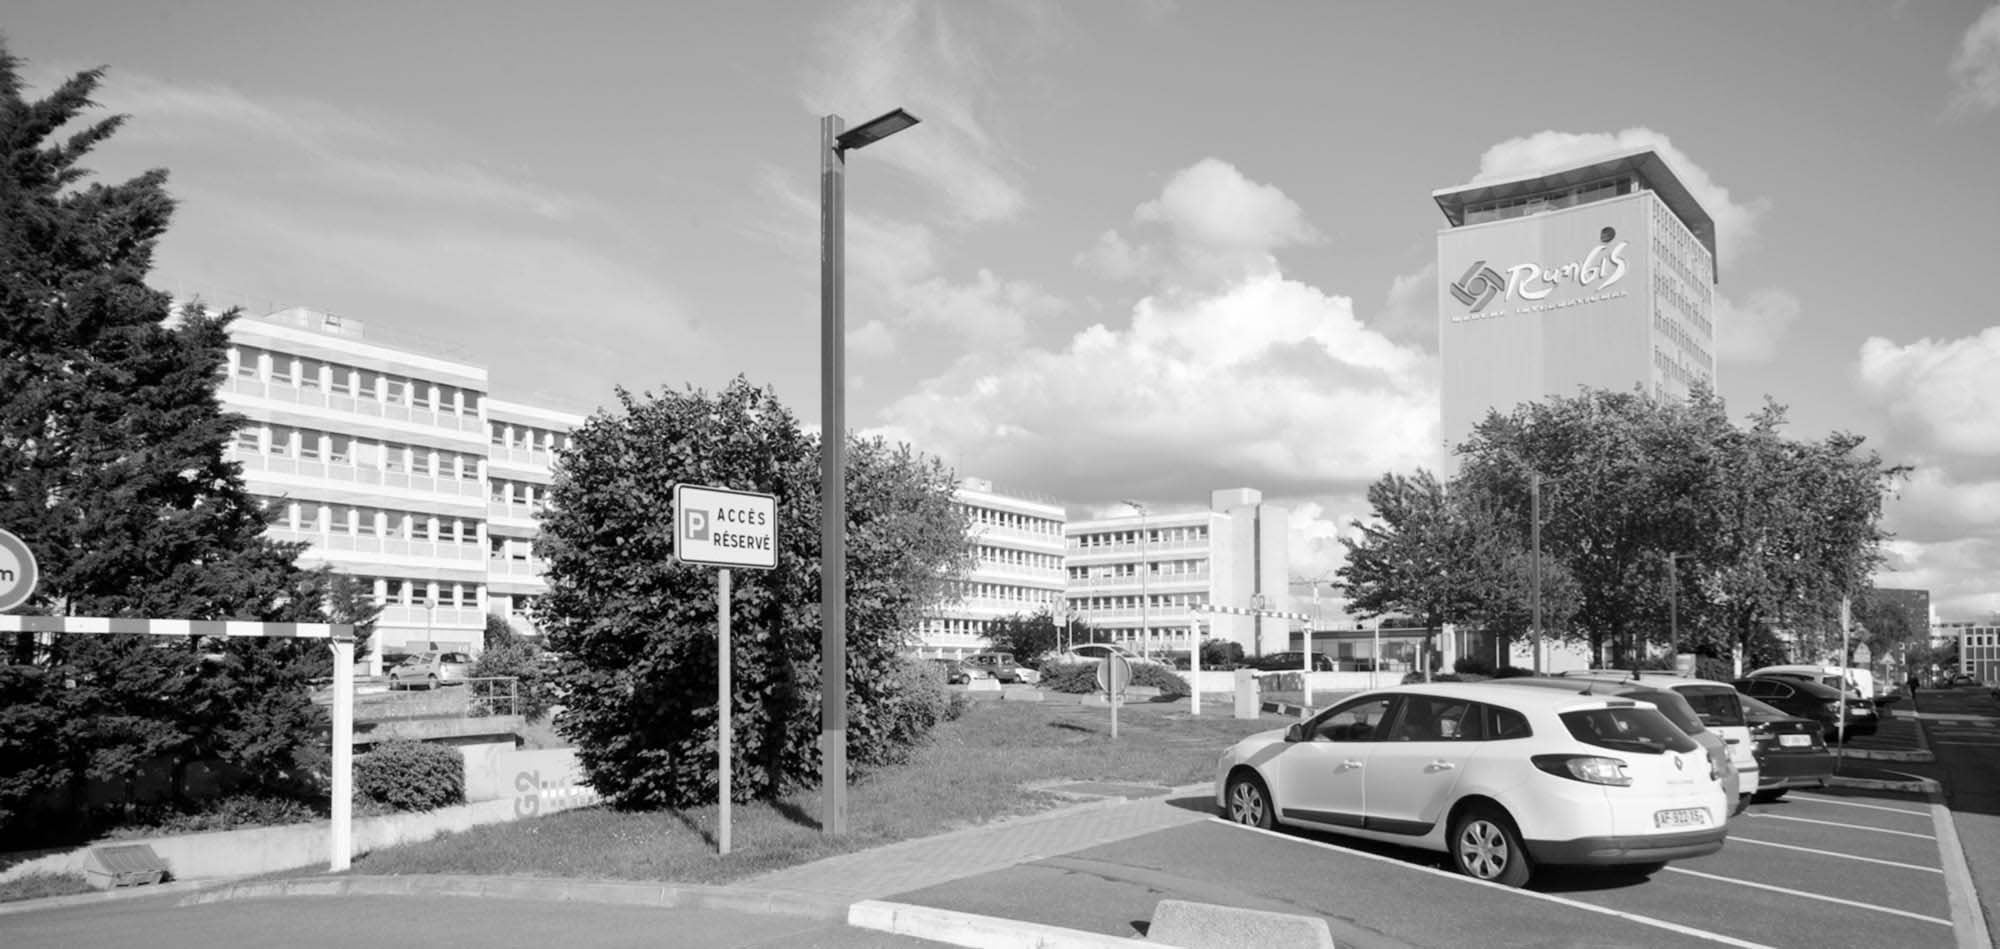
<point x="1318" y="527"/>
<point x="882" y="55"/>
<point x="1409" y="315"/>
<point x="1750" y="331"/>
<point x="987" y="312"/>
<point x="1975" y="70"/>
<point x="871" y="339"/>
<point x="1218" y="227"/>
<point x="1957" y="573"/>
<point x="1939" y="393"/>
<point x="1735" y="221"/>
<point x="334" y="148"/>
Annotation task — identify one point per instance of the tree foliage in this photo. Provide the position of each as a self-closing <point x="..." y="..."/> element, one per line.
<point x="112" y="471"/>
<point x="1027" y="637"/>
<point x="637" y="629"/>
<point x="1664" y="524"/>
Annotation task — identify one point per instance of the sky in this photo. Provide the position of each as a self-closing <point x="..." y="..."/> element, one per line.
<point x="1135" y="249"/>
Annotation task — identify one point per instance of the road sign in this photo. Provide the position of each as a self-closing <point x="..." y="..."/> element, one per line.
<point x="18" y="571"/>
<point x="1114" y="673"/>
<point x="725" y="528"/>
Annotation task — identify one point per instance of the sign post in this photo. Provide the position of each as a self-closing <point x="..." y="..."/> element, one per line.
<point x="1112" y="675"/>
<point x="719" y="527"/>
<point x="1194" y="665"/>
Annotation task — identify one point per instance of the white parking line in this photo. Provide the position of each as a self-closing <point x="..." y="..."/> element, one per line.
<point x="1629" y="917"/>
<point x="1873" y="807"/>
<point x="1830" y="823"/>
<point x="1812" y="896"/>
<point x="1739" y="839"/>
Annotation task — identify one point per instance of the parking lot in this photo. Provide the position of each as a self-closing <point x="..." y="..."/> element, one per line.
<point x="1826" y="868"/>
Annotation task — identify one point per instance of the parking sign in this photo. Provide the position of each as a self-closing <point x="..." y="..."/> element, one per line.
<point x="721" y="527"/>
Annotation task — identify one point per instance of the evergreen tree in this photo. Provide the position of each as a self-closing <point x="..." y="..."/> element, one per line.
<point x="112" y="471"/>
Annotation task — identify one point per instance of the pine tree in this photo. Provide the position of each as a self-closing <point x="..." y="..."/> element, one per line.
<point x="112" y="470"/>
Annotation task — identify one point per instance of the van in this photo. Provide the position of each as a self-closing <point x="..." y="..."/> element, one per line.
<point x="1859" y="680"/>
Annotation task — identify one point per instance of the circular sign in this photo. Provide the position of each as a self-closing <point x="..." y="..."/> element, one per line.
<point x="1113" y="674"/>
<point x="18" y="573"/>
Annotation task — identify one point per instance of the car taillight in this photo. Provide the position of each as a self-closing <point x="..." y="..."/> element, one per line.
<point x="1590" y="769"/>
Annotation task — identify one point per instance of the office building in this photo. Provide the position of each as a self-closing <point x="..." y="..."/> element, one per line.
<point x="1017" y="547"/>
<point x="1138" y="578"/>
<point x="1599" y="274"/>
<point x="396" y="467"/>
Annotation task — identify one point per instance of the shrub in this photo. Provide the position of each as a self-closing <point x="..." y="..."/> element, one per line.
<point x="227" y="813"/>
<point x="1075" y="678"/>
<point x="915" y="700"/>
<point x="521" y="660"/>
<point x="1170" y="684"/>
<point x="1221" y="655"/>
<point x="1414" y="677"/>
<point x="1476" y="665"/>
<point x="411" y="775"/>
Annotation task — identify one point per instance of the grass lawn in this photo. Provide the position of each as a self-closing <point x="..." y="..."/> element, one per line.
<point x="988" y="764"/>
<point x="35" y="886"/>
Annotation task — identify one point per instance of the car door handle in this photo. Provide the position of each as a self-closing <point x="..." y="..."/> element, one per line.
<point x="1348" y="765"/>
<point x="1732" y="741"/>
<point x="1440" y="765"/>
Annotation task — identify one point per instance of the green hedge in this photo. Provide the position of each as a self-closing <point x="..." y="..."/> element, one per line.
<point x="410" y="776"/>
<point x="1081" y="678"/>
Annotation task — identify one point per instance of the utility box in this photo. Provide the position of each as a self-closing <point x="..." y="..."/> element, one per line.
<point x="123" y="865"/>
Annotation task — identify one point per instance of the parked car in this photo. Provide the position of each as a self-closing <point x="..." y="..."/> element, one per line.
<point x="1293" y="661"/>
<point x="1860" y="681"/>
<point x="430" y="670"/>
<point x="1717" y="703"/>
<point x="1001" y="665"/>
<point x="1791" y="752"/>
<point x="954" y="672"/>
<point x="1957" y="679"/>
<point x="1821" y="703"/>
<point x="1675" y="708"/>
<point x="1500" y="778"/>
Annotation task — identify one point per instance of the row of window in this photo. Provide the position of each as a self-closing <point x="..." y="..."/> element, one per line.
<point x="1017" y="558"/>
<point x="251" y="362"/>
<point x="307" y="444"/>
<point x="1160" y="536"/>
<point x="362" y="521"/>
<point x="1665" y="325"/>
<point x="515" y="435"/>
<point x="1162" y="568"/>
<point x="1671" y="366"/>
<point x="987" y="517"/>
<point x="1694" y="306"/>
<point x="1128" y="604"/>
<point x="969" y="589"/>
<point x="1507" y="208"/>
<point x="1674" y="243"/>
<point x="403" y="591"/>
<point x="517" y="492"/>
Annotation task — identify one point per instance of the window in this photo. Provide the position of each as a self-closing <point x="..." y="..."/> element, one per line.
<point x="1627" y="728"/>
<point x="1503" y="724"/>
<point x="1430" y="718"/>
<point x="1358" y="721"/>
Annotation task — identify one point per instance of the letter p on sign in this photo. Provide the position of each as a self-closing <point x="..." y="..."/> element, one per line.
<point x="697" y="524"/>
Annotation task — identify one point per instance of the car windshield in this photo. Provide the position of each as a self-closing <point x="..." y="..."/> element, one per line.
<point x="1675" y="708"/>
<point x="1627" y="728"/>
<point x="1718" y="706"/>
<point x="1759" y="710"/>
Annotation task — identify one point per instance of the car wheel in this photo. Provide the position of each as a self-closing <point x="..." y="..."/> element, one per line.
<point x="1250" y="802"/>
<point x="1768" y="795"/>
<point x="1485" y="846"/>
<point x="1742" y="804"/>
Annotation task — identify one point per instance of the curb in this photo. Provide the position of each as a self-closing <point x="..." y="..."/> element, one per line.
<point x="1924" y="786"/>
<point x="972" y="929"/>
<point x="553" y="890"/>
<point x="190" y="887"/>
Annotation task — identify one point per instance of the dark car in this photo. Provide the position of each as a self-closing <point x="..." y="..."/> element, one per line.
<point x="1811" y="700"/>
<point x="1791" y="753"/>
<point x="1958" y="679"/>
<point x="1293" y="661"/>
<point x="954" y="671"/>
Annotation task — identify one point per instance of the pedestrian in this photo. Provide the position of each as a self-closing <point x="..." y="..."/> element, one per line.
<point x="1915" y="681"/>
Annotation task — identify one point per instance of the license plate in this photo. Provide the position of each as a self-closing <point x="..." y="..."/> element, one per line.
<point x="1795" y="741"/>
<point x="1681" y="817"/>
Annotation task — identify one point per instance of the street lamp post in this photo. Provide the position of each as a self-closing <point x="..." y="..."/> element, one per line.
<point x="1673" y="602"/>
<point x="1145" y="585"/>
<point x="834" y="143"/>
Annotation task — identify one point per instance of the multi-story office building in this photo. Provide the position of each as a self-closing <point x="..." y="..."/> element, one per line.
<point x="1600" y="274"/>
<point x="378" y="457"/>
<point x="1139" y="577"/>
<point x="1018" y="568"/>
<point x="1978" y="648"/>
<point x="522" y="441"/>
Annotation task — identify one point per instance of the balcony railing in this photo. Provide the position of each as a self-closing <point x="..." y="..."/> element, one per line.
<point x="1156" y="580"/>
<point x="512" y="511"/>
<point x="531" y="457"/>
<point x="383" y="546"/>
<point x="529" y="569"/>
<point x="338" y="402"/>
<point x="438" y="619"/>
<point x="355" y="474"/>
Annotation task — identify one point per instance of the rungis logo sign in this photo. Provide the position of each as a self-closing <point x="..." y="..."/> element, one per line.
<point x="1479" y="286"/>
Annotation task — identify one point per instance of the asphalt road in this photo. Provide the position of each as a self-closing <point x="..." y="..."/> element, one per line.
<point x="430" y="922"/>
<point x="1819" y="870"/>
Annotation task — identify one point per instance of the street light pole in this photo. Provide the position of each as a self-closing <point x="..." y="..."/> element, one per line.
<point x="1673" y="602"/>
<point x="1535" y="535"/>
<point x="1145" y="585"/>
<point x="834" y="144"/>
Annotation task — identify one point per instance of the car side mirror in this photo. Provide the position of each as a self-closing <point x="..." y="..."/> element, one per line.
<point x="1296" y="732"/>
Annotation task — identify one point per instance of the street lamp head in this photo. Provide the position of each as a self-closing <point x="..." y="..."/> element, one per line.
<point x="1134" y="505"/>
<point x="875" y="130"/>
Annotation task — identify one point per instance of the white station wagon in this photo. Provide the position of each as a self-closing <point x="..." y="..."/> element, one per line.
<point x="1500" y="779"/>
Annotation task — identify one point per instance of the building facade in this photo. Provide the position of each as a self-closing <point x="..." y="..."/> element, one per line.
<point x="1600" y="274"/>
<point x="1139" y="578"/>
<point x="386" y="462"/>
<point x="1978" y="649"/>
<point x="1018" y="550"/>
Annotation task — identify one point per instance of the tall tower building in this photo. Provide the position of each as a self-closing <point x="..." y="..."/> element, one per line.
<point x="1599" y="274"/>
